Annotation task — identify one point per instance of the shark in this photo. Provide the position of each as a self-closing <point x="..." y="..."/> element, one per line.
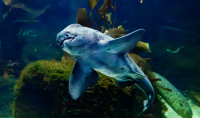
<point x="94" y="51"/>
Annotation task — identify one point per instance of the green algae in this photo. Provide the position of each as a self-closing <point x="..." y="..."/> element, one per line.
<point x="40" y="75"/>
<point x="47" y="80"/>
<point x="49" y="71"/>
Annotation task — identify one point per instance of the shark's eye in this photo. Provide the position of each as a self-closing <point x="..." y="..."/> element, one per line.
<point x="69" y="36"/>
<point x="78" y="25"/>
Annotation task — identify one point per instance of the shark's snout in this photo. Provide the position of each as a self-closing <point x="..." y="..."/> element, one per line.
<point x="60" y="42"/>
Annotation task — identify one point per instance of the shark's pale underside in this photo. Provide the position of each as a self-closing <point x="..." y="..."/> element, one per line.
<point x="93" y="50"/>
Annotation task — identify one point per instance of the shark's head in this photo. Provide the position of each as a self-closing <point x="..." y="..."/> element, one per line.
<point x="76" y="39"/>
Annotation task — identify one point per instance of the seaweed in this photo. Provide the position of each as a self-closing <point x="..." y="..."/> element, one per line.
<point x="104" y="8"/>
<point x="82" y="18"/>
<point x="35" y="90"/>
<point x="116" y="32"/>
<point x="53" y="76"/>
<point x="7" y="2"/>
<point x="92" y="3"/>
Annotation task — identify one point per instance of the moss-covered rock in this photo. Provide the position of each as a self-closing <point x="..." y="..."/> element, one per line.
<point x="42" y="91"/>
<point x="36" y="88"/>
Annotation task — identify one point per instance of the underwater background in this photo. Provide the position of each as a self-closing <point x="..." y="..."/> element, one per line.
<point x="35" y="71"/>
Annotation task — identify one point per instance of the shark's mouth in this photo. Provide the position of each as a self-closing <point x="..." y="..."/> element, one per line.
<point x="67" y="36"/>
<point x="70" y="36"/>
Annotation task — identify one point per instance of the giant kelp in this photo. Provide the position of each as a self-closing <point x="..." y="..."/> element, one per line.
<point x="104" y="8"/>
<point x="82" y="18"/>
<point x="92" y="3"/>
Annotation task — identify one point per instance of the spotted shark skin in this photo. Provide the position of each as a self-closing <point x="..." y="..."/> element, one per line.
<point x="94" y="51"/>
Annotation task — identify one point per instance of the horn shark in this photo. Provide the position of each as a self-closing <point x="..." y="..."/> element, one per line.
<point x="93" y="50"/>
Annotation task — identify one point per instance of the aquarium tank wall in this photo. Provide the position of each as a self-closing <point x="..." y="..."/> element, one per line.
<point x="99" y="59"/>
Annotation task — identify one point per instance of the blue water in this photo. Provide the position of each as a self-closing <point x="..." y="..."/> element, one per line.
<point x="168" y="24"/>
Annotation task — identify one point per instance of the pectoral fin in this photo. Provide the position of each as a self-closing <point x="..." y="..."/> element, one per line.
<point x="126" y="43"/>
<point x="82" y="77"/>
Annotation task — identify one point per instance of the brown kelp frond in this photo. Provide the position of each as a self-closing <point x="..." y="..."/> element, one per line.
<point x="92" y="3"/>
<point x="144" y="66"/>
<point x="145" y="59"/>
<point x="170" y="90"/>
<point x="82" y="18"/>
<point x="142" y="46"/>
<point x="93" y="20"/>
<point x="7" y="2"/>
<point x="104" y="8"/>
<point x="116" y="32"/>
<point x="108" y="17"/>
<point x="115" y="12"/>
<point x="154" y="80"/>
